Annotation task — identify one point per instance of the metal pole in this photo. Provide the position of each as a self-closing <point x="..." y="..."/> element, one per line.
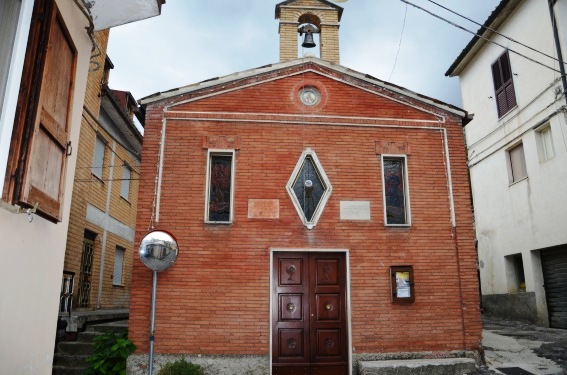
<point x="153" y="325"/>
<point x="551" y="3"/>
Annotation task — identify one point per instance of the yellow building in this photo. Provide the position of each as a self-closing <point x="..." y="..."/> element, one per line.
<point x="48" y="49"/>
<point x="98" y="257"/>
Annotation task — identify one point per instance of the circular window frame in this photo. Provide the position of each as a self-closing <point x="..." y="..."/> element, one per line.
<point x="309" y="95"/>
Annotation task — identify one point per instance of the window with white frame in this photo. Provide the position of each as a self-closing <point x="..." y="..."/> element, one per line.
<point x="220" y="187"/>
<point x="544" y="143"/>
<point x="517" y="163"/>
<point x="117" y="277"/>
<point x="395" y="190"/>
<point x="309" y="188"/>
<point x="98" y="159"/>
<point x="126" y="177"/>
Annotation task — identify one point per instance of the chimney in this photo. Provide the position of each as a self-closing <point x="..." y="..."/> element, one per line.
<point x="324" y="15"/>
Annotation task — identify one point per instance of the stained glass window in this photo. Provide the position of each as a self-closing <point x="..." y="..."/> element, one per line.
<point x="220" y="188"/>
<point x="395" y="191"/>
<point x="308" y="188"/>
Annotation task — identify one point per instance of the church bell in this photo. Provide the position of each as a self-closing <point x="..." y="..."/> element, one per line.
<point x="308" y="42"/>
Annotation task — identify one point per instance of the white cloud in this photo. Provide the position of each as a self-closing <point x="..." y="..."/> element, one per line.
<point x="200" y="39"/>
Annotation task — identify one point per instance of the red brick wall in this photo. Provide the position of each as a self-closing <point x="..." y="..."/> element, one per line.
<point x="215" y="299"/>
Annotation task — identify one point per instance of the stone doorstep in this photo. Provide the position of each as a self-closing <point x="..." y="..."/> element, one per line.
<point x="448" y="366"/>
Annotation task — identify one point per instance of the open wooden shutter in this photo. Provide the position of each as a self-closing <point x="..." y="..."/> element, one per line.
<point x="41" y="130"/>
<point x="44" y="181"/>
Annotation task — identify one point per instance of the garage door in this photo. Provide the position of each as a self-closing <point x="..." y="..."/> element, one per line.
<point x="554" y="263"/>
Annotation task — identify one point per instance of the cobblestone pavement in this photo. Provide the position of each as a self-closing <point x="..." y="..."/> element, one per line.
<point x="524" y="346"/>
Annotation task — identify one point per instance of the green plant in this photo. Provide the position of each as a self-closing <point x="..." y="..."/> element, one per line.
<point x="110" y="354"/>
<point x="181" y="367"/>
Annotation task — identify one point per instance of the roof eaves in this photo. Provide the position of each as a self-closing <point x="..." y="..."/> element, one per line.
<point x="128" y="123"/>
<point x="159" y="96"/>
<point x="287" y="64"/>
<point x="496" y="18"/>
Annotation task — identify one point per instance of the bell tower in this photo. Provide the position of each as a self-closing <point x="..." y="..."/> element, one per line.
<point x="308" y="17"/>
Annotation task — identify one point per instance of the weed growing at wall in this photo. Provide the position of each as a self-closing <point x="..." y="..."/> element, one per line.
<point x="110" y="354"/>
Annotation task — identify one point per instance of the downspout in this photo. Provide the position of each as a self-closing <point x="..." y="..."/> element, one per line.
<point x="105" y="229"/>
<point x="551" y="3"/>
<point x="454" y="229"/>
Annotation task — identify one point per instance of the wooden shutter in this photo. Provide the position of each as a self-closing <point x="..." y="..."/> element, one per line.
<point x="518" y="163"/>
<point x="41" y="130"/>
<point x="503" y="85"/>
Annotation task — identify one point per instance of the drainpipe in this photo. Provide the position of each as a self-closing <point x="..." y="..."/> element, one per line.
<point x="551" y="3"/>
<point x="105" y="228"/>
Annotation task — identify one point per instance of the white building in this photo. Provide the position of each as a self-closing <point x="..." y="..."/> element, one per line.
<point x="46" y="47"/>
<point x="511" y="80"/>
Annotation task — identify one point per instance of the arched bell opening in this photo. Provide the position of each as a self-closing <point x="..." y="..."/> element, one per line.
<point x="309" y="35"/>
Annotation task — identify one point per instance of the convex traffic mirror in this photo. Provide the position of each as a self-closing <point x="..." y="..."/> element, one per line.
<point x="158" y="250"/>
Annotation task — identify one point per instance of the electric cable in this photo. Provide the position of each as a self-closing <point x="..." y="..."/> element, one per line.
<point x="479" y="35"/>
<point x="496" y="32"/>
<point x="399" y="44"/>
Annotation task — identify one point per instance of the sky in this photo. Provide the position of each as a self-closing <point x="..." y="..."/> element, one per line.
<point x="195" y="40"/>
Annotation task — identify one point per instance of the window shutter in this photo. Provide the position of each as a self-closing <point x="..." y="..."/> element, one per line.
<point x="98" y="159"/>
<point x="118" y="266"/>
<point x="44" y="179"/>
<point x="518" y="163"/>
<point x="510" y="95"/>
<point x="505" y="67"/>
<point x="502" y="103"/>
<point x="547" y="143"/>
<point x="496" y="75"/>
<point x="503" y="85"/>
<point x="126" y="176"/>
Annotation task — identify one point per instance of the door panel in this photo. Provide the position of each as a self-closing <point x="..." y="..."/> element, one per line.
<point x="309" y="323"/>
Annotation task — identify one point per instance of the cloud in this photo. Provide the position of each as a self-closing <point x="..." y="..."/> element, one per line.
<point x="200" y="39"/>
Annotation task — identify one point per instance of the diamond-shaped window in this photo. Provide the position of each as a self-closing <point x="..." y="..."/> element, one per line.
<point x="309" y="188"/>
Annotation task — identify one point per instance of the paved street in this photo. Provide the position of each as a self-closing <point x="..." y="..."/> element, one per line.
<point x="513" y="347"/>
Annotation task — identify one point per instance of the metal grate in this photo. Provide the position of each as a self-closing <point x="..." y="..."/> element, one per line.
<point x="86" y="273"/>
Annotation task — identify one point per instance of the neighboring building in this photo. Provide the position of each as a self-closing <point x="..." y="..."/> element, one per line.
<point x="517" y="157"/>
<point x="323" y="218"/>
<point x="46" y="50"/>
<point x="105" y="195"/>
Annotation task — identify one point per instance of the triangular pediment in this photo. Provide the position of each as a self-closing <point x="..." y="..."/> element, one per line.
<point x="276" y="89"/>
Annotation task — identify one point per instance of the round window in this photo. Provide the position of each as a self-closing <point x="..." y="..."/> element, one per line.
<point x="309" y="95"/>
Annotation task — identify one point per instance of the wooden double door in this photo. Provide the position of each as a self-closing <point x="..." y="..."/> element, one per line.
<point x="309" y="314"/>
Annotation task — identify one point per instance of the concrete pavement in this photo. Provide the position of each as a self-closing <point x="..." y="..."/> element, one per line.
<point x="519" y="348"/>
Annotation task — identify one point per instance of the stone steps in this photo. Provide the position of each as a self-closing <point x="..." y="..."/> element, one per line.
<point x="71" y="356"/>
<point x="449" y="366"/>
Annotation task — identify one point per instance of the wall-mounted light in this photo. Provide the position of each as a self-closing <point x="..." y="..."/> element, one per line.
<point x="308" y="186"/>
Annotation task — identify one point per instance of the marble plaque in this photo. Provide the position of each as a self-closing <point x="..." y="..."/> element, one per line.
<point x="355" y="210"/>
<point x="263" y="208"/>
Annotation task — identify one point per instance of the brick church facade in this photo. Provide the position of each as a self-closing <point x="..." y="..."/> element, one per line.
<point x="323" y="218"/>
